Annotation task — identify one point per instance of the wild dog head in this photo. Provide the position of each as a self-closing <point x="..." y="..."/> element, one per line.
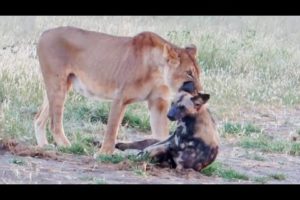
<point x="185" y="104"/>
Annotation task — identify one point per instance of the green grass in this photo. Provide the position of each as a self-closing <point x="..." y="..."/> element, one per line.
<point x="266" y="144"/>
<point x="218" y="169"/>
<point x="136" y="115"/>
<point x="255" y="66"/>
<point x="18" y="161"/>
<point x="230" y="128"/>
<point x="75" y="148"/>
<point x="93" y="180"/>
<point x="100" y="181"/>
<point x="82" y="145"/>
<point x="265" y="179"/>
<point x="262" y="180"/>
<point x="279" y="177"/>
<point x="140" y="172"/>
<point x="114" y="159"/>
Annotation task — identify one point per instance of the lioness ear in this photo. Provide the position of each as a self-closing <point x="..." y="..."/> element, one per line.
<point x="170" y="54"/>
<point x="192" y="50"/>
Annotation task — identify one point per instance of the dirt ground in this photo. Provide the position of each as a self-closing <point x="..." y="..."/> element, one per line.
<point x="21" y="164"/>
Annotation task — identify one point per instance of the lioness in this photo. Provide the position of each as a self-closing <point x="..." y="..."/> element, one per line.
<point x="195" y="142"/>
<point x="145" y="67"/>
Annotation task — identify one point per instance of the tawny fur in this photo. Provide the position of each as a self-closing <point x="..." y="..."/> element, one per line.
<point x="122" y="69"/>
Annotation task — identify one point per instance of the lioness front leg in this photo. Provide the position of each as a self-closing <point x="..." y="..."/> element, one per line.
<point x="115" y="118"/>
<point x="158" y="105"/>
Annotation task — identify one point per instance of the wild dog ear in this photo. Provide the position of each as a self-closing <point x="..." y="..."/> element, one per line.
<point x="196" y="99"/>
<point x="192" y="50"/>
<point x="201" y="98"/>
<point x="170" y="55"/>
<point x="204" y="97"/>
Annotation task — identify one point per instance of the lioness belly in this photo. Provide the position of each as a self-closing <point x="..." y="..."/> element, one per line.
<point x="108" y="92"/>
<point x="90" y="92"/>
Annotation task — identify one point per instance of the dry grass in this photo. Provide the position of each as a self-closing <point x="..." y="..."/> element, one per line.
<point x="247" y="62"/>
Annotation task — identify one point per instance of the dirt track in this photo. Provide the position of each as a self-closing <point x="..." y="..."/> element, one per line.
<point x="22" y="163"/>
<point x="51" y="167"/>
<point x="57" y="168"/>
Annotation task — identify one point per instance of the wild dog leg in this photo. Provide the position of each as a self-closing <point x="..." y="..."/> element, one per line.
<point x="159" y="148"/>
<point x="139" y="145"/>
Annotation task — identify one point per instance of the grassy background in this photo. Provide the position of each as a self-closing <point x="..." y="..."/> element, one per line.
<point x="249" y="62"/>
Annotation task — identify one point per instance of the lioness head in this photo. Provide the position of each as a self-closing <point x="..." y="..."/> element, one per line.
<point x="185" y="104"/>
<point x="183" y="70"/>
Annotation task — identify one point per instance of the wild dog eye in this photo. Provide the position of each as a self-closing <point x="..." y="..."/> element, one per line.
<point x="197" y="104"/>
<point x="181" y="108"/>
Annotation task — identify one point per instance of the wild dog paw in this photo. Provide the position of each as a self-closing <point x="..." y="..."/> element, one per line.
<point x="142" y="154"/>
<point x="121" y="146"/>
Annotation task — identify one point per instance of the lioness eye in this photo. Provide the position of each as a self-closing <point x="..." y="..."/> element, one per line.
<point x="190" y="73"/>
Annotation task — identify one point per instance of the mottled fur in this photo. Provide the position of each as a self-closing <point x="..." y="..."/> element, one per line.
<point x="195" y="142"/>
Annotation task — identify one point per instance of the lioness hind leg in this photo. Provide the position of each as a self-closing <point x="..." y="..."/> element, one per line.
<point x="56" y="97"/>
<point x="40" y="122"/>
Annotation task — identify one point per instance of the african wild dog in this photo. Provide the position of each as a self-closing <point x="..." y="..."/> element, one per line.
<point x="195" y="142"/>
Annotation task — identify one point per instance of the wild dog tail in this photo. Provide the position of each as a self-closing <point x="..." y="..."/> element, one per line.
<point x="139" y="145"/>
